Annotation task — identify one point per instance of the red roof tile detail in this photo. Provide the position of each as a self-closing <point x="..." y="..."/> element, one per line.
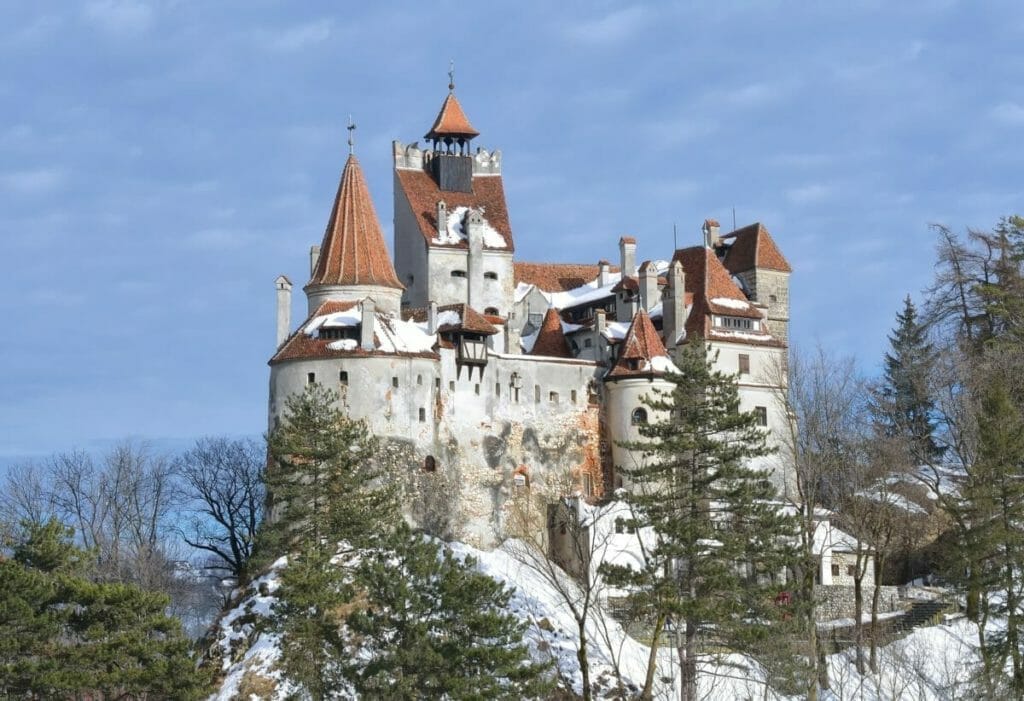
<point x="627" y="239"/>
<point x="707" y="279"/>
<point x="550" y="338"/>
<point x="423" y="195"/>
<point x="556" y="277"/>
<point x="640" y="345"/>
<point x="469" y="319"/>
<point x="353" y="250"/>
<point x="451" y="121"/>
<point x="753" y="247"/>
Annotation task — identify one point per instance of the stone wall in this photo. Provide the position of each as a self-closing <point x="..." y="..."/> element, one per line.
<point x="836" y="601"/>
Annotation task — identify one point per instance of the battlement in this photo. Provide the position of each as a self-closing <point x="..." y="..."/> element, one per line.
<point x="412" y="157"/>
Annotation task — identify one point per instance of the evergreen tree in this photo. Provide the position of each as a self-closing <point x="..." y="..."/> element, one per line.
<point x="434" y="627"/>
<point x="902" y="405"/>
<point x="64" y="636"/>
<point x="322" y="481"/>
<point x="720" y="538"/>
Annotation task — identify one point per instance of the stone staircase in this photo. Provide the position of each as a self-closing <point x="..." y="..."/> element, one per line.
<point x="922" y="613"/>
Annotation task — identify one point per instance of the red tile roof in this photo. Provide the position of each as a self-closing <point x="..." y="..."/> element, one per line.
<point x="550" y="339"/>
<point x="627" y="239"/>
<point x="556" y="277"/>
<point x="423" y="195"/>
<point x="451" y="121"/>
<point x="707" y="280"/>
<point x="353" y="250"/>
<point x="640" y="345"/>
<point x="469" y="319"/>
<point x="753" y="247"/>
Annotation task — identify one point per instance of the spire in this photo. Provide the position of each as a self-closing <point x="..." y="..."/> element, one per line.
<point x="353" y="250"/>
<point x="550" y="338"/>
<point x="351" y="136"/>
<point x="642" y="351"/>
<point x="451" y="123"/>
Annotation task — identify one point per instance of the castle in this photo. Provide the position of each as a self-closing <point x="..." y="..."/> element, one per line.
<point x="486" y="376"/>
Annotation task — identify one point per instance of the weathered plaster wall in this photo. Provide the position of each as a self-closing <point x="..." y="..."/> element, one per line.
<point x="410" y="250"/>
<point x="478" y="428"/>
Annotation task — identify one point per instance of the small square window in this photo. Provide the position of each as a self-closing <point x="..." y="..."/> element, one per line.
<point x="835" y="570"/>
<point x="437" y="383"/>
<point x="476" y="389"/>
<point x="343" y="377"/>
<point x="762" y="415"/>
<point x="553" y="397"/>
<point x="310" y="378"/>
<point x="744" y="364"/>
<point x="536" y="394"/>
<point x="423" y="415"/>
<point x="851" y="571"/>
<point x="572" y="396"/>
<point x="497" y="389"/>
<point x="419" y="379"/>
<point x="588" y="342"/>
<point x="394" y="381"/>
<point x="451" y="385"/>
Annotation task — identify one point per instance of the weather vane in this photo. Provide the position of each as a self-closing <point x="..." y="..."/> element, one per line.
<point x="351" y="135"/>
<point x="451" y="75"/>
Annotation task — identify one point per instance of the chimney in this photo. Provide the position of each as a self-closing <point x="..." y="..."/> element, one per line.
<point x="432" y="317"/>
<point x="712" y="239"/>
<point x="314" y="256"/>
<point x="284" y="308"/>
<point x="600" y="324"/>
<point x="366" y="326"/>
<point x="442" y="219"/>
<point x="627" y="255"/>
<point x="673" y="313"/>
<point x="474" y="228"/>
<point x="648" y="286"/>
<point x="604" y="272"/>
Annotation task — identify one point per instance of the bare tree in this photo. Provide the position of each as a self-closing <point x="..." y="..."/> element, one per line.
<point x="821" y="395"/>
<point x="26" y="495"/>
<point x="223" y="486"/>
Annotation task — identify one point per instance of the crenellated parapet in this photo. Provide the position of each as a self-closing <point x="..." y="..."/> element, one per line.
<point x="413" y="157"/>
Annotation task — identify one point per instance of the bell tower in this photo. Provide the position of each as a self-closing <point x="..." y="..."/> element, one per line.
<point x="452" y="165"/>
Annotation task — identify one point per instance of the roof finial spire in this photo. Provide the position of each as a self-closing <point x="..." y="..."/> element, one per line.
<point x="451" y="75"/>
<point x="351" y="135"/>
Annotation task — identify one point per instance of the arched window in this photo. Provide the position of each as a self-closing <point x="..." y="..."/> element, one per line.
<point x="493" y="311"/>
<point x="429" y="464"/>
<point x="639" y="416"/>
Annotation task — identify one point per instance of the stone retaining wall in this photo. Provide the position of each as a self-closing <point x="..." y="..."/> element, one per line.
<point x="836" y="601"/>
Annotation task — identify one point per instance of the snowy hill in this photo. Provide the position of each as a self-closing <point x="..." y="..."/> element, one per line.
<point x="931" y="663"/>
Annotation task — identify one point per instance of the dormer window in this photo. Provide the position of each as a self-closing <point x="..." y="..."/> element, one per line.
<point x="472" y="350"/>
<point x="738" y="322"/>
<point x="338" y="333"/>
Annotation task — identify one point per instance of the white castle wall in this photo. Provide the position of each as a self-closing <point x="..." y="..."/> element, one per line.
<point x="479" y="431"/>
<point x="623" y="397"/>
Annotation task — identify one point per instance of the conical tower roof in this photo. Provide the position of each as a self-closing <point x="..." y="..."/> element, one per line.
<point x="451" y="122"/>
<point x="353" y="250"/>
<point x="640" y="348"/>
<point x="550" y="338"/>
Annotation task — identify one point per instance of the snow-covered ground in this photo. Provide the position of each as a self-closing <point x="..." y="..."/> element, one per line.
<point x="930" y="664"/>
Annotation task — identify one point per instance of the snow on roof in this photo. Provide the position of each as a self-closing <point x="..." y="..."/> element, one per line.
<point x="730" y="303"/>
<point x="456" y="233"/>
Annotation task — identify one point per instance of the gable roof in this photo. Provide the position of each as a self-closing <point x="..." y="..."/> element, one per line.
<point x="753" y="247"/>
<point x="550" y="337"/>
<point x="641" y="352"/>
<point x="714" y="292"/>
<point x="451" y="121"/>
<point x="556" y="277"/>
<point x="353" y="250"/>
<point x="423" y="194"/>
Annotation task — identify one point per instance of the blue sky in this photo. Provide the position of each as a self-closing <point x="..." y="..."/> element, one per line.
<point x="163" y="161"/>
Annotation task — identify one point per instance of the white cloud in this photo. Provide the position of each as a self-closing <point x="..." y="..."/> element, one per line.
<point x="612" y="28"/>
<point x="301" y="36"/>
<point x="31" y="182"/>
<point x="1008" y="113"/>
<point x="809" y="194"/>
<point x="125" y="17"/>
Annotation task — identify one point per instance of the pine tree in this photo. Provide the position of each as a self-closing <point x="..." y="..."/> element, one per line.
<point x="903" y="406"/>
<point x="63" y="636"/>
<point x="720" y="538"/>
<point x="434" y="627"/>
<point x="322" y="481"/>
